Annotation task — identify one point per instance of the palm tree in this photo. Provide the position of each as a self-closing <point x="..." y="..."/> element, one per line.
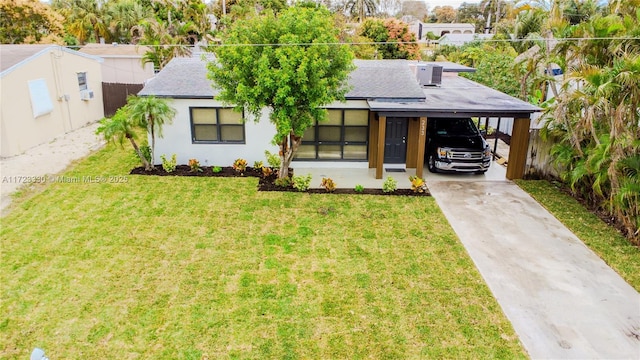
<point x="596" y="115"/>
<point x="360" y="9"/>
<point x="84" y="18"/>
<point x="151" y="113"/>
<point x="120" y="127"/>
<point x="165" y="42"/>
<point x="122" y="16"/>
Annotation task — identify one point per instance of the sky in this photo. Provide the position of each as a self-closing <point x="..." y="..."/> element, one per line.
<point x="455" y="3"/>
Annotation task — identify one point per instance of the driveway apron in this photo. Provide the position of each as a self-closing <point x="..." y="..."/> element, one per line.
<point x="564" y="302"/>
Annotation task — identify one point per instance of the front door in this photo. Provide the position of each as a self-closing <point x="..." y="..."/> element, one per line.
<point x="395" y="142"/>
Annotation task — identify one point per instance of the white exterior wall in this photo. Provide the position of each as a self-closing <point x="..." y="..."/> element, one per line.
<point x="125" y="70"/>
<point x="177" y="139"/>
<point x="19" y="130"/>
<point x="440" y="29"/>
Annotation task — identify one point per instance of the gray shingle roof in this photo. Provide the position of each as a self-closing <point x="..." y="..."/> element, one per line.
<point x="182" y="78"/>
<point x="384" y="79"/>
<point x="372" y="79"/>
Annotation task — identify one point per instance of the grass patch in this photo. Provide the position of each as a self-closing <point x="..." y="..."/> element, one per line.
<point x="604" y="240"/>
<point x="191" y="268"/>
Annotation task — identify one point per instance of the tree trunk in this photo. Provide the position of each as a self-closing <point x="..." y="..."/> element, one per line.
<point x="146" y="164"/>
<point x="288" y="148"/>
<point x="153" y="139"/>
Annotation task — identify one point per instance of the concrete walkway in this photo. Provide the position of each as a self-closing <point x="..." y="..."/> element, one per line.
<point x="46" y="159"/>
<point x="563" y="300"/>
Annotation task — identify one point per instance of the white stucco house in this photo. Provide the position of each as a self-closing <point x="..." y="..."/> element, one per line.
<point x="47" y="91"/>
<point x="381" y="123"/>
<point x="421" y="29"/>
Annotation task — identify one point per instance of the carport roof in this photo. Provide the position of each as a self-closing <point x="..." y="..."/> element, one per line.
<point x="457" y="97"/>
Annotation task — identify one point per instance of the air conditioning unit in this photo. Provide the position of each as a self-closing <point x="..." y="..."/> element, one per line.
<point x="429" y="74"/>
<point x="86" y="94"/>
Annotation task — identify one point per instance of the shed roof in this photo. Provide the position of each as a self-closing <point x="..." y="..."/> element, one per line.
<point x="13" y="56"/>
<point x="114" y="50"/>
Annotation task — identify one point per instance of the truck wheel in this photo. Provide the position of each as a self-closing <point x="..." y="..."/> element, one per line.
<point x="431" y="164"/>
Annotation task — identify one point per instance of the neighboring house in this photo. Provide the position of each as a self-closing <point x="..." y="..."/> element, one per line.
<point x="123" y="72"/>
<point x="47" y="91"/>
<point x="421" y="29"/>
<point x="382" y="123"/>
<point x="122" y="63"/>
<point x="461" y="39"/>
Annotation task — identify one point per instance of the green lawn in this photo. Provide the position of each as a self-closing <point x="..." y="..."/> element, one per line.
<point x="208" y="268"/>
<point x="604" y="240"/>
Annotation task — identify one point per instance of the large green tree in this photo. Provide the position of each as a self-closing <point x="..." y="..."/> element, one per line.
<point x="392" y="37"/>
<point x="28" y="22"/>
<point x="290" y="64"/>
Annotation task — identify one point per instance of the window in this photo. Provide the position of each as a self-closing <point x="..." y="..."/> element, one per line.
<point x="82" y="81"/>
<point x="216" y="125"/>
<point x="41" y="103"/>
<point x="344" y="136"/>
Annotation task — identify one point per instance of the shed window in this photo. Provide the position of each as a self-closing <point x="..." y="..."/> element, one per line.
<point x="82" y="81"/>
<point x="216" y="125"/>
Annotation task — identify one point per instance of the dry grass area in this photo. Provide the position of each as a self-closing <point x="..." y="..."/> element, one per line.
<point x="210" y="268"/>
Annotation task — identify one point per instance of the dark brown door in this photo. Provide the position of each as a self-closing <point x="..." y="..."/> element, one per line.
<point x="395" y="142"/>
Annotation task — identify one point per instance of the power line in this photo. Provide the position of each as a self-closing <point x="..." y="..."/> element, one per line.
<point x="382" y="42"/>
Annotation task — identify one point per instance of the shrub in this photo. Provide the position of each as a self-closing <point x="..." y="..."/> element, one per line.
<point x="359" y="189"/>
<point x="258" y="164"/>
<point x="195" y="165"/>
<point x="240" y="165"/>
<point x="146" y="152"/>
<point x="389" y="185"/>
<point x="216" y="169"/>
<point x="169" y="165"/>
<point x="272" y="159"/>
<point x="417" y="184"/>
<point x="267" y="171"/>
<point x="283" y="182"/>
<point x="328" y="184"/>
<point x="302" y="183"/>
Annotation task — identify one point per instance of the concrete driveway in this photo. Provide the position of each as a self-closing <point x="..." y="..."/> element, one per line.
<point x="563" y="300"/>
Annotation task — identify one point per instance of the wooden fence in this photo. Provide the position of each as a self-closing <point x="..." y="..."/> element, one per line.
<point x="114" y="95"/>
<point x="539" y="161"/>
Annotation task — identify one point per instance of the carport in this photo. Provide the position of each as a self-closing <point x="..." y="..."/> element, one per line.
<point x="455" y="97"/>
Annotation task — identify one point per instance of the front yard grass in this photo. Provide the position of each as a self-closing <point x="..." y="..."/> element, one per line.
<point x="604" y="240"/>
<point x="210" y="268"/>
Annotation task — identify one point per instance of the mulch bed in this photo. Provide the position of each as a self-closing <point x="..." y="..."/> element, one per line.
<point x="264" y="183"/>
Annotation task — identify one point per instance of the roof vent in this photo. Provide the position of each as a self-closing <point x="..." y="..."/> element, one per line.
<point x="429" y="75"/>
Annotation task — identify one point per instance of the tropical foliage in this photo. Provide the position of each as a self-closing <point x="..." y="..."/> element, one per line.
<point x="595" y="118"/>
<point x="29" y="22"/>
<point x="392" y="38"/>
<point x="296" y="71"/>
<point x="150" y="113"/>
<point x="120" y="127"/>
